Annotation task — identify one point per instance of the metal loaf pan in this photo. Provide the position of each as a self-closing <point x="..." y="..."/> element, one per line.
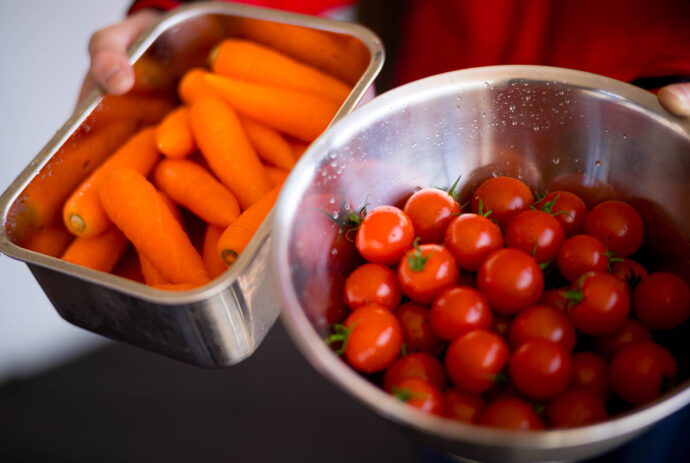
<point x="215" y="325"/>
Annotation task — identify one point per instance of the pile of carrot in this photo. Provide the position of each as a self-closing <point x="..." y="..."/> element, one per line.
<point x="186" y="195"/>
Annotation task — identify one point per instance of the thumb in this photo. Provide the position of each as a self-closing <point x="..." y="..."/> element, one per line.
<point x="676" y="98"/>
<point x="110" y="67"/>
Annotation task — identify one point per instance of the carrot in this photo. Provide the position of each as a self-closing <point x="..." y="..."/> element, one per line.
<point x="174" y="135"/>
<point x="342" y="56"/>
<point x="269" y="144"/>
<point x="83" y="214"/>
<point x="226" y="148"/>
<point x="173" y="207"/>
<point x="248" y="61"/>
<point x="193" y="187"/>
<point x="129" y="267"/>
<point x="235" y="238"/>
<point x="296" y="113"/>
<point x="276" y="176"/>
<point x="176" y="286"/>
<point x="214" y="264"/>
<point x="298" y="147"/>
<point x="135" y="207"/>
<point x="193" y="86"/>
<point x="100" y="252"/>
<point x="51" y="240"/>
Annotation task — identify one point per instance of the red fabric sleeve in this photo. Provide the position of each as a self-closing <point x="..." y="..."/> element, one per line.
<point x="163" y="5"/>
<point x="313" y="7"/>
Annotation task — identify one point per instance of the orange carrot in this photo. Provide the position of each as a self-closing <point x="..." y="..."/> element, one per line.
<point x="236" y="237"/>
<point x="83" y="213"/>
<point x="276" y="176"/>
<point x="193" y="187"/>
<point x="128" y="266"/>
<point x="298" y="147"/>
<point x="172" y="206"/>
<point x="174" y="135"/>
<point x="176" y="286"/>
<point x="226" y="148"/>
<point x="151" y="275"/>
<point x="100" y="252"/>
<point x="295" y="113"/>
<point x="214" y="264"/>
<point x="269" y="144"/>
<point x="51" y="240"/>
<point x="248" y="61"/>
<point x="193" y="86"/>
<point x="135" y="207"/>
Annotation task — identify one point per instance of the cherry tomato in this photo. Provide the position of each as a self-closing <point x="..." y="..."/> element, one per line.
<point x="322" y="299"/>
<point x="575" y="407"/>
<point x="511" y="280"/>
<point x="416" y="329"/>
<point x="372" y="282"/>
<point x="470" y="238"/>
<point x="568" y="208"/>
<point x="591" y="373"/>
<point x="632" y="331"/>
<point x="510" y="413"/>
<point x="415" y="365"/>
<point x="420" y="394"/>
<point x="542" y="322"/>
<point x="537" y="233"/>
<point x="384" y="235"/>
<point x="540" y="369"/>
<point x="600" y="305"/>
<point x="503" y="196"/>
<point x="616" y="224"/>
<point x="662" y="301"/>
<point x="425" y="271"/>
<point x="581" y="254"/>
<point x="639" y="372"/>
<point x="475" y="359"/>
<point x="462" y="406"/>
<point x="629" y="271"/>
<point x="501" y="323"/>
<point x="458" y="310"/>
<point x="430" y="211"/>
<point x="374" y="340"/>
<point x="555" y="298"/>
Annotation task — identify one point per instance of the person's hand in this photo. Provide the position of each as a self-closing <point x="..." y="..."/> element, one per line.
<point x="676" y="98"/>
<point x="109" y="66"/>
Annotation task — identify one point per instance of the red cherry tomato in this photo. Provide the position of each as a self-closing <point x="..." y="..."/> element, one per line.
<point x="322" y="299"/>
<point x="567" y="208"/>
<point x="416" y="329"/>
<point x="470" y="238"/>
<point x="591" y="373"/>
<point x="575" y="407"/>
<point x="511" y="280"/>
<point x="415" y="365"/>
<point x="542" y="322"/>
<point x="475" y="359"/>
<point x="537" y="233"/>
<point x="616" y="224"/>
<point x="629" y="271"/>
<point x="458" y="310"/>
<point x="384" y="235"/>
<point x="639" y="372"/>
<point x="420" y="394"/>
<point x="602" y="303"/>
<point x="503" y="196"/>
<point x="372" y="282"/>
<point x="662" y="301"/>
<point x="425" y="271"/>
<point x="540" y="369"/>
<point x="462" y="406"/>
<point x="374" y="340"/>
<point x="632" y="331"/>
<point x="510" y="413"/>
<point x="430" y="211"/>
<point x="581" y="254"/>
<point x="555" y="298"/>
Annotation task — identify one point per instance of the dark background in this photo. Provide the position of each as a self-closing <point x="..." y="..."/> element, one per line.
<point x="123" y="404"/>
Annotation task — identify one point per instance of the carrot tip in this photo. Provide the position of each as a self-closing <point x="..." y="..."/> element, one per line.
<point x="76" y="223"/>
<point x="229" y="256"/>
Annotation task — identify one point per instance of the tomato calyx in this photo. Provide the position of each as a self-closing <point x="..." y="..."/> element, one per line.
<point x="481" y="211"/>
<point x="574" y="296"/>
<point x="610" y="258"/>
<point x="340" y="335"/>
<point x="402" y="393"/>
<point x="416" y="260"/>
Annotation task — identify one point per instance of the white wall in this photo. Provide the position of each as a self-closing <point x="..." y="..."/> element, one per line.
<point x="43" y="59"/>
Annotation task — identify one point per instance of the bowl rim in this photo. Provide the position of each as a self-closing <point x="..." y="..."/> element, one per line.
<point x="337" y="371"/>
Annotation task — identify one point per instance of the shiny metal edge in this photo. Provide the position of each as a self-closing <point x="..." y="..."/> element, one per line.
<point x="167" y="21"/>
<point x="324" y="360"/>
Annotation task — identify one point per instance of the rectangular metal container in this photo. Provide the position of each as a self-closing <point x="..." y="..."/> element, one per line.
<point x="215" y="325"/>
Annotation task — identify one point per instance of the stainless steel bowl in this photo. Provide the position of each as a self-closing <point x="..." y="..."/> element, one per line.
<point x="550" y="127"/>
